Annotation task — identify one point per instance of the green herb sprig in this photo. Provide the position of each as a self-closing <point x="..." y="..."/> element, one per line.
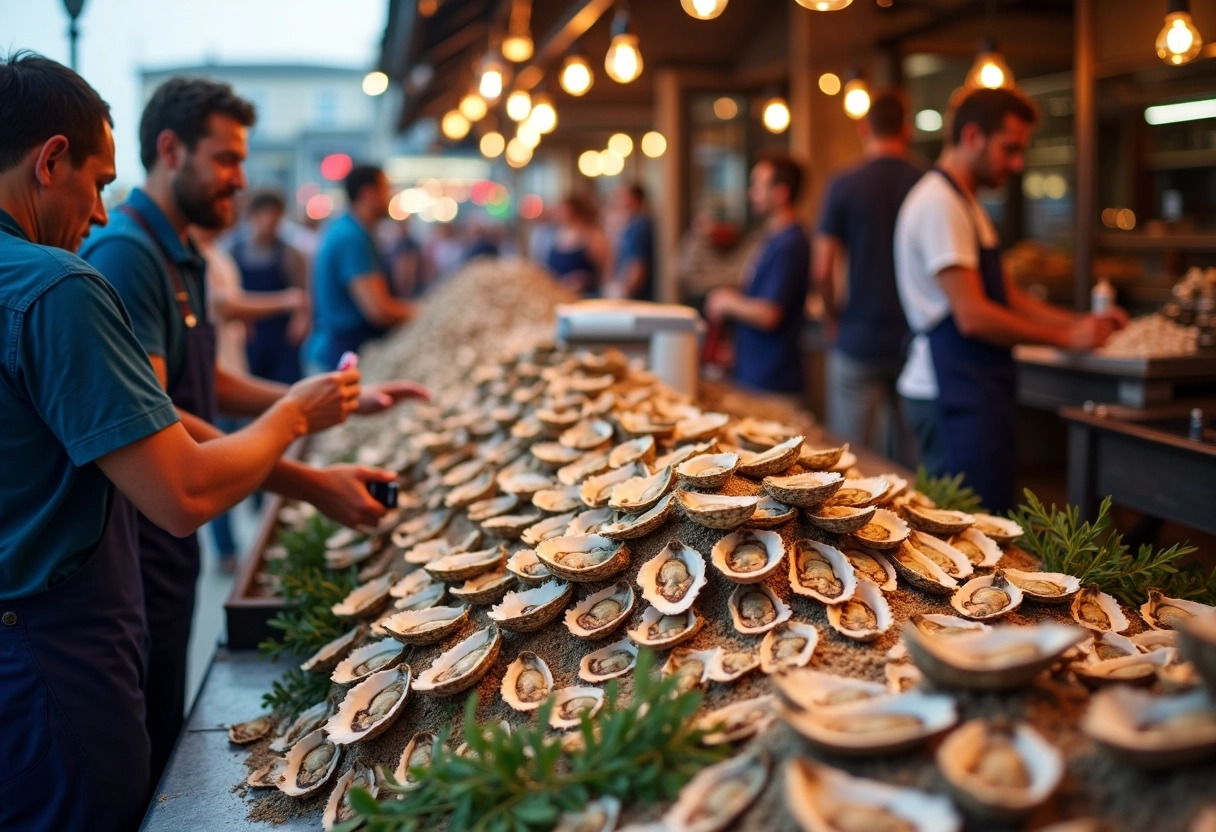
<point x="1095" y="553"/>
<point x="948" y="492"/>
<point x="520" y="780"/>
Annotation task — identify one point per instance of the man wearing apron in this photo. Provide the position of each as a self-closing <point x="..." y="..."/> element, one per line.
<point x="80" y="413"/>
<point x="192" y="143"/>
<point x="958" y="385"/>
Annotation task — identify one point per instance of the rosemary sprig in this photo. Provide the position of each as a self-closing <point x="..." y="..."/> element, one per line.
<point x="521" y="780"/>
<point x="947" y="492"/>
<point x="296" y="691"/>
<point x="1095" y="553"/>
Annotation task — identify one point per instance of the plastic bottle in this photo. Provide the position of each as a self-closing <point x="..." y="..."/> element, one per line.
<point x="1102" y="297"/>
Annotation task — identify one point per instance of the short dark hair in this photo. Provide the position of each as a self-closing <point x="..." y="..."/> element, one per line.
<point x="988" y="108"/>
<point x="360" y="177"/>
<point x="887" y="114"/>
<point x="786" y="172"/>
<point x="184" y="106"/>
<point x="265" y="200"/>
<point x="40" y="98"/>
<point x="635" y="190"/>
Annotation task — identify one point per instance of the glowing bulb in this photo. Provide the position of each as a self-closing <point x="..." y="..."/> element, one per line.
<point x="989" y="71"/>
<point x="544" y="116"/>
<point x="620" y="144"/>
<point x="611" y="163"/>
<point x="624" y="60"/>
<point x="454" y="125"/>
<point x="653" y="144"/>
<point x="576" y="77"/>
<point x="1179" y="41"/>
<point x="518" y="154"/>
<point x="375" y="83"/>
<point x="776" y="115"/>
<point x="473" y="107"/>
<point x="517" y="48"/>
<point x="519" y="104"/>
<point x="492" y="145"/>
<point x="824" y="5"/>
<point x="427" y="8"/>
<point x="856" y="99"/>
<point x="725" y="108"/>
<point x="589" y="163"/>
<point x="491" y="85"/>
<point x="528" y="135"/>
<point x="704" y="9"/>
<point x="928" y="121"/>
<point x="829" y="83"/>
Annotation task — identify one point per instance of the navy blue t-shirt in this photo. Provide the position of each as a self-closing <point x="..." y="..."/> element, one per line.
<point x="860" y="210"/>
<point x="637" y="243"/>
<point x="772" y="361"/>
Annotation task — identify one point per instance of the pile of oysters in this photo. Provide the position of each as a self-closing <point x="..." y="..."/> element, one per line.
<point x="573" y="493"/>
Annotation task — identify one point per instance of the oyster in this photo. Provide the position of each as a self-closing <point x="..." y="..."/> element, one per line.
<point x="715" y="511"/>
<point x="738" y="720"/>
<point x="597" y="615"/>
<point x="824" y="799"/>
<point x="936" y="520"/>
<point x="770" y="514"/>
<point x="902" y="676"/>
<point x="1044" y="587"/>
<point x="873" y="567"/>
<point x="640" y="424"/>
<point x="950" y="560"/>
<point x="267" y="777"/>
<point x="641" y="492"/>
<point x="364" y="601"/>
<point x="366" y="660"/>
<point x="583" y="558"/>
<point x="1095" y="610"/>
<point x="465" y="565"/>
<point x="510" y="526"/>
<point x="596" y="492"/>
<point x="1000" y="529"/>
<point x="708" y="471"/>
<point x="428" y="596"/>
<point x="821" y="572"/>
<point x="773" y="461"/>
<point x="527" y="683"/>
<point x="981" y="550"/>
<point x="338" y="808"/>
<point x="526" y="566"/>
<point x="635" y="450"/>
<point x="422" y="528"/>
<point x="864" y="617"/>
<point x="871" y="727"/>
<point x="999" y="658"/>
<point x="1138" y="669"/>
<point x="326" y="659"/>
<point x="932" y="624"/>
<point x="587" y="435"/>
<point x="411" y="583"/>
<point x="631" y="526"/>
<point x="243" y="733"/>
<point x="462" y="666"/>
<point x="463" y="473"/>
<point x="525" y="484"/>
<point x="308" y="721"/>
<point x="590" y="522"/>
<point x="311" y="763"/>
<point x="789" y="644"/>
<point x="727" y="666"/>
<point x="1163" y="613"/>
<point x="571" y="703"/>
<point x="1197" y="643"/>
<point x="812" y="690"/>
<point x="760" y="434"/>
<point x="597" y="816"/>
<point x="663" y="631"/>
<point x="370" y="706"/>
<point x="719" y="794"/>
<point x="555" y="454"/>
<point x="921" y="572"/>
<point x="416" y="755"/>
<point x="840" y="519"/>
<point x="481" y="487"/>
<point x="430" y="550"/>
<point x="588" y="466"/>
<point x="554" y="526"/>
<point x="861" y="493"/>
<point x="689" y="666"/>
<point x="755" y="609"/>
<point x="486" y="588"/>
<point x="748" y="556"/>
<point x="529" y="610"/>
<point x="1108" y="645"/>
<point x="999" y="770"/>
<point x="803" y="490"/>
<point x="820" y="459"/>
<point x="885" y="531"/>
<point x="616" y="659"/>
<point x="700" y="427"/>
<point x="1152" y="731"/>
<point x="425" y="626"/>
<point x="986" y="597"/>
<point x="558" y="500"/>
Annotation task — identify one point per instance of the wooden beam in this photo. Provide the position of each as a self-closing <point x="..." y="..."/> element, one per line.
<point x="1085" y="126"/>
<point x="580" y="17"/>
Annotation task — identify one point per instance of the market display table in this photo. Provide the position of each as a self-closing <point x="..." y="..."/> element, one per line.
<point x="1144" y="460"/>
<point x="196" y="791"/>
<point x="1049" y="379"/>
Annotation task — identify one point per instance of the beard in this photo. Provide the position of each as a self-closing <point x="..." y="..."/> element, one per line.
<point x="199" y="204"/>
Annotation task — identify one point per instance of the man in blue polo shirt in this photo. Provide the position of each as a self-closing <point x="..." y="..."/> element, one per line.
<point x="85" y="432"/>
<point x="770" y="310"/>
<point x="633" y="275"/>
<point x="352" y="302"/>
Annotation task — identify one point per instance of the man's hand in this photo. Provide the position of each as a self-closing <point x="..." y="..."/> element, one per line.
<point x="340" y="493"/>
<point x="1090" y="332"/>
<point x="376" y="398"/>
<point x="327" y="399"/>
<point x="719" y="303"/>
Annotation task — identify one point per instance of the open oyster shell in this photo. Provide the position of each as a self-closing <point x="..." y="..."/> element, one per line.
<point x="425" y="626"/>
<point x="590" y="521"/>
<point x="663" y="631"/>
<point x="873" y="567"/>
<point x="529" y="610"/>
<point x="370" y="706"/>
<point x="1152" y="731"/>
<point x="558" y="500"/>
<point x="583" y="558"/>
<point x="707" y="471"/>
<point x="738" y="720"/>
<point x="526" y="566"/>
<point x="771" y="514"/>
<point x="1108" y="645"/>
<point x="326" y="659"/>
<point x="597" y="615"/>
<point x="700" y="427"/>
<point x="243" y="733"/>
<point x="803" y="490"/>
<point x="872" y="727"/>
<point x="1197" y="643"/>
<point x="463" y="473"/>
<point x="861" y="492"/>
<point x="949" y="559"/>
<point x="634" y="450"/>
<point x="813" y="690"/>
<point x="465" y="565"/>
<point x="527" y="683"/>
<point x="840" y="519"/>
<point x="596" y="491"/>
<point x="555" y="454"/>
<point x="631" y="526"/>
<point x="922" y="573"/>
<point x="427" y="596"/>
<point x="597" y="816"/>
<point x="821" y="572"/>
<point x="789" y="644"/>
<point x="570" y="703"/>
<point x="267" y="777"/>
<point x="366" y="660"/>
<point x="587" y="435"/>
<point x="417" y="754"/>
<point x="937" y="520"/>
<point x="590" y="464"/>
<point x="935" y="624"/>
<point x="998" y="770"/>
<point x="719" y="794"/>
<point x="462" y="666"/>
<point x="1001" y="529"/>
<point x="1093" y="609"/>
<point x="767" y="463"/>
<point x="311" y="764"/>
<point x="364" y="601"/>
<point x="748" y="556"/>
<point x="422" y="528"/>
<point x="554" y="526"/>
<point x="754" y="609"/>
<point x="1051" y="588"/>
<point x="308" y="721"/>
<point x="864" y="617"/>
<point x="820" y="459"/>
<point x="986" y="597"/>
<point x="824" y="799"/>
<point x="1001" y="658"/>
<point x="731" y="665"/>
<point x="717" y="511"/>
<point x="761" y="434"/>
<point x="609" y="662"/>
<point x="338" y="808"/>
<point x="411" y="583"/>
<point x="1163" y="613"/>
<point x="977" y="547"/>
<point x="510" y="526"/>
<point x="486" y="588"/>
<point x="1137" y="669"/>
<point x="885" y="531"/>
<point x="690" y="666"/>
<point x="481" y="487"/>
<point x="641" y="493"/>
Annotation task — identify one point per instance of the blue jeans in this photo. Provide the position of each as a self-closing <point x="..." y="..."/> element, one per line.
<point x="863" y="406"/>
<point x="221" y="527"/>
<point x="924" y="419"/>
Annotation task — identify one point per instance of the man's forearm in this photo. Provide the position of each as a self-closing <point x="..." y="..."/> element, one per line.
<point x="239" y="394"/>
<point x="1039" y="310"/>
<point x="756" y="312"/>
<point x="289" y="478"/>
<point x="1005" y="327"/>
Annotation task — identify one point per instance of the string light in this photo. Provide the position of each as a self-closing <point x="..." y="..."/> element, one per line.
<point x="654" y="144"/>
<point x="704" y="9"/>
<point x="519" y="104"/>
<point x="518" y="154"/>
<point x="589" y="163"/>
<point x="824" y="5"/>
<point x="856" y="98"/>
<point x="493" y="78"/>
<point x="620" y="144"/>
<point x="623" y="63"/>
<point x="492" y="145"/>
<point x="611" y="164"/>
<point x="528" y="135"/>
<point x="473" y="107"/>
<point x="517" y="45"/>
<point x="776" y="115"/>
<point x="454" y="125"/>
<point x="829" y="83"/>
<point x="375" y="83"/>
<point x="544" y="115"/>
<point x="576" y="77"/>
<point x="1179" y="41"/>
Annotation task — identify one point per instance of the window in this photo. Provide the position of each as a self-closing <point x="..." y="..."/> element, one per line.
<point x="327" y="107"/>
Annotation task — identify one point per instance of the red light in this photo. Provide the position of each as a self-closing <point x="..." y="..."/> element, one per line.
<point x="500" y="195"/>
<point x="335" y="166"/>
<point x="531" y="207"/>
<point x="306" y="192"/>
<point x="481" y="192"/>
<point x="319" y="207"/>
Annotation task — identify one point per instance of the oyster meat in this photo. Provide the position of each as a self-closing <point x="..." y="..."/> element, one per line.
<point x="601" y="612"/>
<point x="822" y="572"/>
<point x="527" y="682"/>
<point x="755" y="609"/>
<point x="672" y="579"/>
<point x="608" y="662"/>
<point x="748" y="556"/>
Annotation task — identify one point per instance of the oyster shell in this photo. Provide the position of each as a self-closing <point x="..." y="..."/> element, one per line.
<point x="684" y="453"/>
<point x="526" y="566"/>
<point x="873" y="567"/>
<point x="558" y="500"/>
<point x="1095" y="610"/>
<point x="690" y="666"/>
<point x="364" y="601"/>
<point x="510" y="526"/>
<point x="775" y="460"/>
<point x="770" y="514"/>
<point x="597" y="615"/>
<point x="748" y="556"/>
<point x="902" y="677"/>
<point x="554" y="526"/>
<point x="803" y="490"/>
<point x="308" y="721"/>
<point x="555" y="454"/>
<point x="643" y="492"/>
<point x="571" y="703"/>
<point x="486" y="588"/>
<point x="998" y="770"/>
<point x="921" y="572"/>
<point x="587" y="435"/>
<point x="1108" y="645"/>
<point x="729" y="665"/>
<point x="813" y="690"/>
<point x="529" y="610"/>
<point x="1152" y="731"/>
<point x="588" y="466"/>
<point x="986" y="597"/>
<point x="864" y="617"/>
<point x="1001" y="658"/>
<point x="422" y="528"/>
<point x="717" y="511"/>
<point x="708" y="471"/>
<point x="820" y="459"/>
<point x="821" y="572"/>
<point x="719" y="794"/>
<point x="311" y="763"/>
<point x="481" y="487"/>
<point x="631" y="526"/>
<point x="425" y="626"/>
<point x="267" y="777"/>
<point x="370" y="706"/>
<point x="616" y="659"/>
<point x="590" y="522"/>
<point x="428" y="596"/>
<point x="462" y="666"/>
<point x="840" y="519"/>
<point x="1044" y="587"/>
<point x="824" y="799"/>
<point x="981" y="550"/>
<point x="933" y="624"/>
<point x="597" y="816"/>
<point x="789" y="644"/>
<point x="634" y="450"/>
<point x="366" y="660"/>
<point x="738" y="720"/>
<point x="950" y="560"/>
<point x="937" y="520"/>
<point x="243" y="733"/>
<point x="1163" y="613"/>
<point x="583" y="558"/>
<point x="760" y="434"/>
<point x="338" y="808"/>
<point x="640" y="424"/>
<point x="326" y="659"/>
<point x="464" y="565"/>
<point x="861" y="492"/>
<point x="595" y="492"/>
<point x="1000" y="529"/>
<point x="700" y="427"/>
<point x="872" y="727"/>
<point x="417" y="754"/>
<point x="755" y="609"/>
<point x="525" y="484"/>
<point x="663" y="631"/>
<point x="1197" y="643"/>
<point x="1138" y="669"/>
<point x="527" y="682"/>
<point x="411" y="583"/>
<point x="464" y="472"/>
<point x="885" y="531"/>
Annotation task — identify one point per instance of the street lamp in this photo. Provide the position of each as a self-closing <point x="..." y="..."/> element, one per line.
<point x="74" y="7"/>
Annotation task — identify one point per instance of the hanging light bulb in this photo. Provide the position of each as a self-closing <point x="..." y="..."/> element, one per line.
<point x="519" y="104"/>
<point x="493" y="78"/>
<point x="620" y="144"/>
<point x="492" y="145"/>
<point x="518" y="154"/>
<point x="824" y="5"/>
<point x="623" y="63"/>
<point x="856" y="98"/>
<point x="1179" y="41"/>
<point x="704" y="9"/>
<point x="528" y="135"/>
<point x="654" y="144"/>
<point x="989" y="70"/>
<point x="776" y="115"/>
<point x="517" y="45"/>
<point x="576" y="76"/>
<point x="544" y="116"/>
<point x="426" y="8"/>
<point x="454" y="125"/>
<point x="473" y="107"/>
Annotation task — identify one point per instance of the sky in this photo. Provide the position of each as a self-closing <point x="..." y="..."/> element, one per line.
<point x="118" y="38"/>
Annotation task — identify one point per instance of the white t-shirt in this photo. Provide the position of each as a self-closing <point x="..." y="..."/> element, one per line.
<point x="936" y="229"/>
<point x="224" y="281"/>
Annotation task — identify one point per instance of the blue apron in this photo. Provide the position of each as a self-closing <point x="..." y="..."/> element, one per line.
<point x="170" y="565"/>
<point x="574" y="269"/>
<point x="75" y="749"/>
<point x="976" y="387"/>
<point x="267" y="349"/>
